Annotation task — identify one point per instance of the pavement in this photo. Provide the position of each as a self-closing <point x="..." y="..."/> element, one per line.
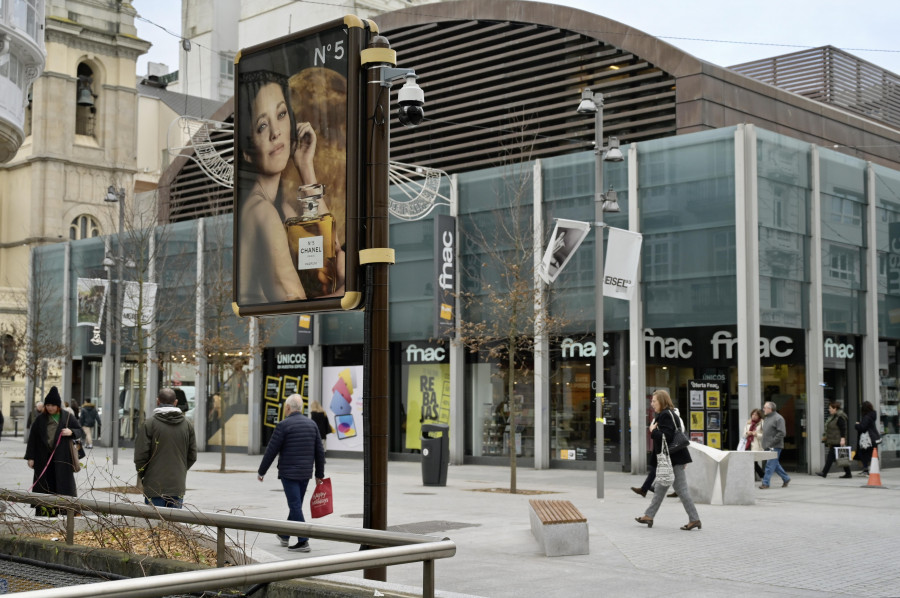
<point x="819" y="537"/>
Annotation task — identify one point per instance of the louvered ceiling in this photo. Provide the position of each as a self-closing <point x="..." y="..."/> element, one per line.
<point x="495" y="91"/>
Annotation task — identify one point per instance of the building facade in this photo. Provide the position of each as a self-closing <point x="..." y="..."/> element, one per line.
<point x="766" y="269"/>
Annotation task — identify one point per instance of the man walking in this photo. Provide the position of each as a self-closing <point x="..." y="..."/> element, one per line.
<point x="296" y="440"/>
<point x="164" y="450"/>
<point x="88" y="419"/>
<point x="773" y="440"/>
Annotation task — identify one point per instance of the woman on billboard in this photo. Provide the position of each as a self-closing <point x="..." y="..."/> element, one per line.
<point x="278" y="225"/>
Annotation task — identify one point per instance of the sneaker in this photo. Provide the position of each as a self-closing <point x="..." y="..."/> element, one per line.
<point x="863" y="473"/>
<point x="284" y="541"/>
<point x="300" y="547"/>
<point x="764" y="487"/>
<point x="846" y="475"/>
<point x="785" y="484"/>
<point x="90" y="446"/>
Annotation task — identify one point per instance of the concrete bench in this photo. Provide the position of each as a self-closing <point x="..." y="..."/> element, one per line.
<point x="723" y="477"/>
<point x="559" y="527"/>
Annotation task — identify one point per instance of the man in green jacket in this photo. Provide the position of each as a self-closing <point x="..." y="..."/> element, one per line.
<point x="165" y="448"/>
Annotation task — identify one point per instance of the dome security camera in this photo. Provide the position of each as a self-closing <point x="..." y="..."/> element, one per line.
<point x="411" y="99"/>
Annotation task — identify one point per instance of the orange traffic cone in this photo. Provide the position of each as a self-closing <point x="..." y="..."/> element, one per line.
<point x="874" y="471"/>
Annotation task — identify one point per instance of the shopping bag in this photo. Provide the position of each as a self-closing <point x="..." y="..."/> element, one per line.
<point x="842" y="456"/>
<point x="321" y="503"/>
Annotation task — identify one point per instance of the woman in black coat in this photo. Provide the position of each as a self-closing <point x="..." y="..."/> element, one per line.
<point x="52" y="433"/>
<point x="665" y="423"/>
<point x="866" y="423"/>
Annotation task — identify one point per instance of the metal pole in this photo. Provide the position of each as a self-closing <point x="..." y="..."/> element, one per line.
<point x="377" y="363"/>
<point x="598" y="287"/>
<point x="118" y="315"/>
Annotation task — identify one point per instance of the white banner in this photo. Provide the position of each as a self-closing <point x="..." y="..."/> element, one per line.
<point x="623" y="254"/>
<point x="91" y="300"/>
<point x="566" y="238"/>
<point x="130" y="304"/>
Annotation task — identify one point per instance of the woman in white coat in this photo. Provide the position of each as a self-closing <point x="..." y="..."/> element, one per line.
<point x="751" y="439"/>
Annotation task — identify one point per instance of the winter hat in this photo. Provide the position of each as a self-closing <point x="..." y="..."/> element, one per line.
<point x="53" y="397"/>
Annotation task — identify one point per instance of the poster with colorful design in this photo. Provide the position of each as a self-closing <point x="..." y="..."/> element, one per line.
<point x="427" y="399"/>
<point x="342" y="401"/>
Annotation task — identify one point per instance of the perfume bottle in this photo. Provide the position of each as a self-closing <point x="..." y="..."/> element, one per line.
<point x="311" y="241"/>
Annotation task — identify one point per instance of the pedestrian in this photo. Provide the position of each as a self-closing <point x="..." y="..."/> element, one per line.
<point x="752" y="437"/>
<point x="774" y="432"/>
<point x="68" y="408"/>
<point x="88" y="418"/>
<point x="835" y="435"/>
<point x="647" y="486"/>
<point x="76" y="409"/>
<point x="317" y="414"/>
<point x="298" y="445"/>
<point x="665" y="424"/>
<point x="49" y="450"/>
<point x="164" y="451"/>
<point x="867" y="429"/>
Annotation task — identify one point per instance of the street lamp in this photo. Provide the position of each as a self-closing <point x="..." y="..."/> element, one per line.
<point x="117" y="196"/>
<point x="592" y="103"/>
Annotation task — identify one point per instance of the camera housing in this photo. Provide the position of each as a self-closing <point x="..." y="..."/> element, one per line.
<point x="411" y="99"/>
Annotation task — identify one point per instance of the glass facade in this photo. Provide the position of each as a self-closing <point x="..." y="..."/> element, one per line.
<point x="689" y="268"/>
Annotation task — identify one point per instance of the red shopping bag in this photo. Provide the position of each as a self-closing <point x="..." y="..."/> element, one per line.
<point x="321" y="503"/>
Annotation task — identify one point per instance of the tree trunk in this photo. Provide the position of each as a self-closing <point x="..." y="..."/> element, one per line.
<point x="512" y="416"/>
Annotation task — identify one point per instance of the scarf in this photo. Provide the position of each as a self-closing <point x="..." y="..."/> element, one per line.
<point x="750" y="436"/>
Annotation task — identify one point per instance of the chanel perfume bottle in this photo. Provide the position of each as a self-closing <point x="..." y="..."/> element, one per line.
<point x="311" y="241"/>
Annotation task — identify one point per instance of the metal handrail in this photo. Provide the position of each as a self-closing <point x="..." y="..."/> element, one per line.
<point x="397" y="548"/>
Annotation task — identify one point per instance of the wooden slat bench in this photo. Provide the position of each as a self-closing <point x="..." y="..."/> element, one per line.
<point x="559" y="527"/>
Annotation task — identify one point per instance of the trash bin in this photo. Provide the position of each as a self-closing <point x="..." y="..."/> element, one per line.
<point x="435" y="454"/>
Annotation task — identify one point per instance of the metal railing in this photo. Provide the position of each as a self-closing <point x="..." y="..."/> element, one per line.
<point x="395" y="548"/>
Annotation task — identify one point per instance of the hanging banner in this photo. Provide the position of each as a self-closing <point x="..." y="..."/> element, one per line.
<point x="444" y="276"/>
<point x="134" y="296"/>
<point x="623" y="253"/>
<point x="566" y="238"/>
<point x="91" y="300"/>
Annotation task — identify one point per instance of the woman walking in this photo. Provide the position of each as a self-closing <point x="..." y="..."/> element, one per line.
<point x="868" y="435"/>
<point x="835" y="435"/>
<point x="665" y="424"/>
<point x="752" y="437"/>
<point x="49" y="450"/>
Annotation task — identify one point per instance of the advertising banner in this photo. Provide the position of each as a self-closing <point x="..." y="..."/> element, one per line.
<point x="444" y="276"/>
<point x="566" y="238"/>
<point x="427" y="399"/>
<point x="285" y="372"/>
<point x="297" y="199"/>
<point x="138" y="295"/>
<point x="623" y="254"/>
<point x="92" y="294"/>
<point x="342" y="400"/>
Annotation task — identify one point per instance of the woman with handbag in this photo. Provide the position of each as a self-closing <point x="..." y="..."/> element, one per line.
<point x="663" y="431"/>
<point x="50" y="450"/>
<point x="835" y="436"/>
<point x="751" y="439"/>
<point x="868" y="435"/>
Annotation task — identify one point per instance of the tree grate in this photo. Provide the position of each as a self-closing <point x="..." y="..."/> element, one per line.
<point x="429" y="527"/>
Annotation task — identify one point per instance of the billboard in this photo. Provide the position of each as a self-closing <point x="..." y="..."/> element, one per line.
<point x="297" y="200"/>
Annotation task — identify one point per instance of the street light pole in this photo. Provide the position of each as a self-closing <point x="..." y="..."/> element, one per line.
<point x="593" y="103"/>
<point x="117" y="196"/>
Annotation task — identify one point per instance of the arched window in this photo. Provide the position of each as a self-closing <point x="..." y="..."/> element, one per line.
<point x="84" y="227"/>
<point x="85" y="110"/>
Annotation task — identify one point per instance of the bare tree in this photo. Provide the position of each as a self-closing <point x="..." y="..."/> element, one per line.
<point x="505" y="310"/>
<point x="226" y="340"/>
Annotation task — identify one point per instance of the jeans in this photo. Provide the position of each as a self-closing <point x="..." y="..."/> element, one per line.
<point x="294" y="491"/>
<point x="173" y="502"/>
<point x="681" y="487"/>
<point x="774" y="466"/>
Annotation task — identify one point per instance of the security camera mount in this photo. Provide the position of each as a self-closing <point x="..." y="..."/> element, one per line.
<point x="389" y="75"/>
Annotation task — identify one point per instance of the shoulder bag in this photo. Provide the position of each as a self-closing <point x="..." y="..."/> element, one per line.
<point x="679" y="440"/>
<point x="865" y="441"/>
<point x="73" y="449"/>
<point x="665" y="474"/>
